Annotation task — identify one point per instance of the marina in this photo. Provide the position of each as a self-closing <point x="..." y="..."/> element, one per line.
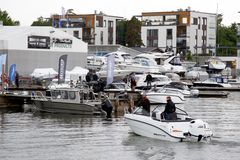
<point x="163" y="85"/>
<point x="26" y="133"/>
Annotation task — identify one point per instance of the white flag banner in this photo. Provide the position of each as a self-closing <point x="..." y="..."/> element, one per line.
<point x="110" y="68"/>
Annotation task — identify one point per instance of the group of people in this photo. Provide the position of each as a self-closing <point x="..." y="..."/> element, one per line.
<point x="169" y="112"/>
<point x="6" y="82"/>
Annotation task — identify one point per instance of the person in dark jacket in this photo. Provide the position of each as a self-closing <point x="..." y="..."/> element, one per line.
<point x="149" y="80"/>
<point x="169" y="112"/>
<point x="107" y="107"/>
<point x="145" y="103"/>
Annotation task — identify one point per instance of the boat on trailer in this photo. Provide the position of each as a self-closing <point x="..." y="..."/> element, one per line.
<point x="184" y="128"/>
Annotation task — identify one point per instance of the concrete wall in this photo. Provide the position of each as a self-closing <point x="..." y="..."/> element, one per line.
<point x="27" y="61"/>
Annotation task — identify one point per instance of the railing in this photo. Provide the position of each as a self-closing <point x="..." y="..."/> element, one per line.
<point x="38" y="95"/>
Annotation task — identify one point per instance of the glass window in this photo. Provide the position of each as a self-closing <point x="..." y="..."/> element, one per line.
<point x="184" y="20"/>
<point x="64" y="94"/>
<point x="169" y="33"/>
<point x="72" y="95"/>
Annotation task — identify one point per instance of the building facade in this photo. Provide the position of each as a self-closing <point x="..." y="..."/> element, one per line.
<point x="39" y="47"/>
<point x="95" y="29"/>
<point x="182" y="30"/>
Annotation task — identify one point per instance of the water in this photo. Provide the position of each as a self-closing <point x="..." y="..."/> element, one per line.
<point x="28" y="135"/>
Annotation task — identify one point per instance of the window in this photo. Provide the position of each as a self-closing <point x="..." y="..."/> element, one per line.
<point x="169" y="33"/>
<point x="76" y="34"/>
<point x="184" y="20"/>
<point x="152" y="37"/>
<point x="195" y="21"/>
<point x="72" y="95"/>
<point x="110" y="24"/>
<point x="64" y="94"/>
<point x="101" y="37"/>
<point x="97" y="23"/>
<point x="104" y="23"/>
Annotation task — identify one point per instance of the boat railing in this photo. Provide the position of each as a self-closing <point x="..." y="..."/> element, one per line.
<point x="38" y="95"/>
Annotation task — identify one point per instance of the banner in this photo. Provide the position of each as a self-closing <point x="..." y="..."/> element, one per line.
<point x="110" y="69"/>
<point x="12" y="72"/>
<point x="62" y="68"/>
<point x="3" y="58"/>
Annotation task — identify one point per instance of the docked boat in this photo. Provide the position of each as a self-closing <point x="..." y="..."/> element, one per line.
<point x="118" y="73"/>
<point x="158" y="80"/>
<point x="183" y="88"/>
<point x="183" y="129"/>
<point x="213" y="82"/>
<point x="67" y="100"/>
<point x="159" y="95"/>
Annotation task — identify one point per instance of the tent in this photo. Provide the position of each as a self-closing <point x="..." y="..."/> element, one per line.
<point x="76" y="72"/>
<point x="44" y="73"/>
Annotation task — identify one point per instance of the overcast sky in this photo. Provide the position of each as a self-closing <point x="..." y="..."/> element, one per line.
<point x="27" y="11"/>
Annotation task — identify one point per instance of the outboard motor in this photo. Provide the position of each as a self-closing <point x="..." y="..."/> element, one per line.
<point x="199" y="129"/>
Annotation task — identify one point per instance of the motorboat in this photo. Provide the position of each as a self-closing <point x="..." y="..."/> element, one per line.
<point x="158" y="80"/>
<point x="174" y="64"/>
<point x="184" y="128"/>
<point x="159" y="95"/>
<point x="99" y="60"/>
<point x="183" y="88"/>
<point x="67" y="100"/>
<point x="153" y="61"/>
<point x="213" y="82"/>
<point x="118" y="73"/>
<point x="96" y="60"/>
<point x="142" y="65"/>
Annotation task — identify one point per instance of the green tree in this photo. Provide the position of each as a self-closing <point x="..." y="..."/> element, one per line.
<point x="133" y="33"/>
<point x="42" y="22"/>
<point x="227" y="39"/>
<point x="7" y="20"/>
<point x="121" y="32"/>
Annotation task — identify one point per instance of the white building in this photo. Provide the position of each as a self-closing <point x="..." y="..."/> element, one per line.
<point x="96" y="29"/>
<point x="181" y="30"/>
<point x="39" y="47"/>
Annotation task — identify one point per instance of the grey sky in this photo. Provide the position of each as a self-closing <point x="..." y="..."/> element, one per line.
<point x="26" y="11"/>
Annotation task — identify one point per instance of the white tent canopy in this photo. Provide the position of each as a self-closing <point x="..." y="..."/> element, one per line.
<point x="76" y="72"/>
<point x="44" y="73"/>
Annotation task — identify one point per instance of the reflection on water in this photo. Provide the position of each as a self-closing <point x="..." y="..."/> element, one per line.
<point x="29" y="135"/>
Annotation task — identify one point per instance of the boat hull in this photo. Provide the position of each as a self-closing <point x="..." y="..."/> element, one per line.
<point x="170" y="131"/>
<point x="69" y="108"/>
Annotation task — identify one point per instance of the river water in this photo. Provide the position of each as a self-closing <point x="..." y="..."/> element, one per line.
<point x="29" y="135"/>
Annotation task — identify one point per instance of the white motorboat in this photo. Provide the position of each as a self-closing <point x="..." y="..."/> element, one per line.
<point x="140" y="66"/>
<point x="158" y="80"/>
<point x="118" y="73"/>
<point x="153" y="60"/>
<point x="159" y="95"/>
<point x="213" y="82"/>
<point x="183" y="88"/>
<point x="183" y="129"/>
<point x="68" y="100"/>
<point x="174" y="64"/>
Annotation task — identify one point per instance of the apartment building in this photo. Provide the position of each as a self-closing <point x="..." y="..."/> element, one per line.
<point x="96" y="29"/>
<point x="182" y="30"/>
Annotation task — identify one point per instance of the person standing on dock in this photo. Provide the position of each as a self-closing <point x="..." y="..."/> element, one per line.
<point x="149" y="80"/>
<point x="17" y="79"/>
